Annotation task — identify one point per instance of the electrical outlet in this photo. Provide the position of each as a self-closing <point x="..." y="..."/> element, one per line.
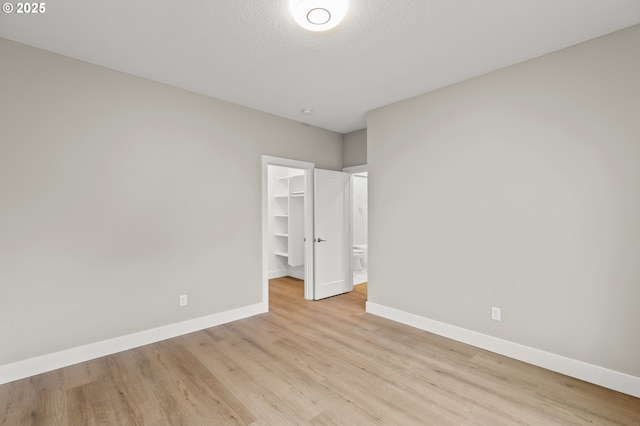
<point x="183" y="300"/>
<point x="495" y="313"/>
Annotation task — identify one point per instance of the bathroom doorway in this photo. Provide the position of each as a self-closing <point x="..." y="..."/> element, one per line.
<point x="359" y="223"/>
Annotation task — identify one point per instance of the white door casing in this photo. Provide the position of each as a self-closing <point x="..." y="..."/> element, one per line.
<point x="332" y="253"/>
<point x="308" y="237"/>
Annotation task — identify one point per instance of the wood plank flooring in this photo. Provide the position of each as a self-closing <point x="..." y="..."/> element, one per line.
<point x="310" y="363"/>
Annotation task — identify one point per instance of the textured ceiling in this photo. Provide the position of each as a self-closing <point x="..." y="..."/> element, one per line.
<point x="252" y="53"/>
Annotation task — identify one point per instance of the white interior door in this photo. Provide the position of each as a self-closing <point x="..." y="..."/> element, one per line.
<point x="332" y="254"/>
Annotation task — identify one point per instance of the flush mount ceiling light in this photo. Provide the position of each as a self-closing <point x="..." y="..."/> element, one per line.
<point x="318" y="15"/>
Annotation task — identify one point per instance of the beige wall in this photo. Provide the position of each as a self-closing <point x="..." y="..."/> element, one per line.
<point x="519" y="189"/>
<point x="118" y="194"/>
<point x="354" y="150"/>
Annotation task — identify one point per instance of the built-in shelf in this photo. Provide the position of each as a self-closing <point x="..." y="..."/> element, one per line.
<point x="288" y="231"/>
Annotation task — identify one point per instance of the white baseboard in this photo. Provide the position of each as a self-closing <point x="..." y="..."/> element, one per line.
<point x="277" y="273"/>
<point x="42" y="364"/>
<point x="581" y="370"/>
<point x="296" y="272"/>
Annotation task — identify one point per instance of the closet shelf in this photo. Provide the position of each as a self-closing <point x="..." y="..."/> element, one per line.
<point x="288" y="223"/>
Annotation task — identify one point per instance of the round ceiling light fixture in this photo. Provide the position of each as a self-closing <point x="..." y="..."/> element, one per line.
<point x="318" y="15"/>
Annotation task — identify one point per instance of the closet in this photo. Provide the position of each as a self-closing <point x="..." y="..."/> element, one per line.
<point x="286" y="221"/>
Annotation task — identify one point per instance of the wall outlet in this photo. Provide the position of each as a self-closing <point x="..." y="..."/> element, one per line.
<point x="183" y="300"/>
<point x="495" y="314"/>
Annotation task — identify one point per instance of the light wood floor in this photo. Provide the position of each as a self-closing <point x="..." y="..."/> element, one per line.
<point x="318" y="363"/>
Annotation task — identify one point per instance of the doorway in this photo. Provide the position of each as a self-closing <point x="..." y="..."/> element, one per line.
<point x="359" y="223"/>
<point x="285" y="212"/>
<point x="359" y="219"/>
<point x="319" y="251"/>
<point x="275" y="222"/>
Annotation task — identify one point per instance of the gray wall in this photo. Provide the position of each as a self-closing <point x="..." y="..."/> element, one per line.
<point x="354" y="150"/>
<point x="519" y="189"/>
<point x="118" y="194"/>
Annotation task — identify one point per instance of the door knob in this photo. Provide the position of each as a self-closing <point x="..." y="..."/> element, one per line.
<point x="319" y="240"/>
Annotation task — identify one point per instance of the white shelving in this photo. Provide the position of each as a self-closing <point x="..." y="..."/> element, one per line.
<point x="296" y="221"/>
<point x="287" y="222"/>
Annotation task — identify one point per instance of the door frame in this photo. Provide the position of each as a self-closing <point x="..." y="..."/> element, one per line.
<point x="308" y="220"/>
<point x="352" y="170"/>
